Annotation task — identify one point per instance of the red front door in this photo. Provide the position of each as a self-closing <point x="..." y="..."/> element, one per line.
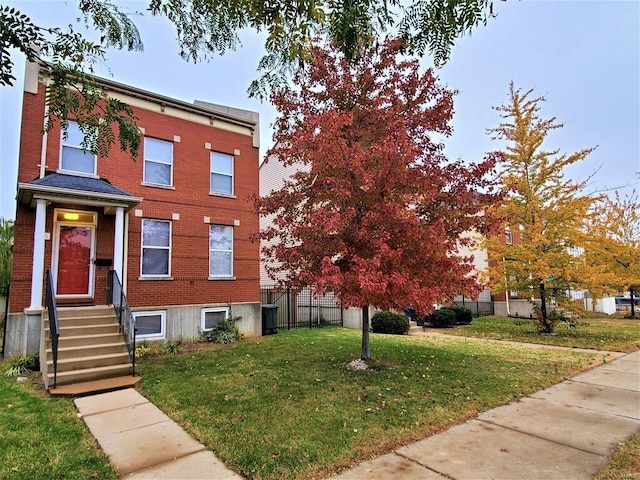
<point x="74" y="260"/>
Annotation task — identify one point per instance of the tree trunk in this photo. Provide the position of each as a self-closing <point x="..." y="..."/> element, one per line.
<point x="546" y="326"/>
<point x="366" y="354"/>
<point x="633" y="308"/>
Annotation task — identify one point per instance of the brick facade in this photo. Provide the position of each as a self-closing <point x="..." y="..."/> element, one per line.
<point x="187" y="203"/>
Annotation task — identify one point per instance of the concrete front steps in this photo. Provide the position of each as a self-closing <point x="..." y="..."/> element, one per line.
<point x="92" y="354"/>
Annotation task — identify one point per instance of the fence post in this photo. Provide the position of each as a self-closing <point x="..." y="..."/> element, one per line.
<point x="288" y="308"/>
<point x="310" y="311"/>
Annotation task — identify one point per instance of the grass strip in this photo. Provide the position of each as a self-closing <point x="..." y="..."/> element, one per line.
<point x="625" y="462"/>
<point x="285" y="406"/>
<point x="614" y="335"/>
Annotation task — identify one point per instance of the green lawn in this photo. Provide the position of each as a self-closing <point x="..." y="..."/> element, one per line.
<point x="285" y="406"/>
<point x="41" y="437"/>
<point x="625" y="462"/>
<point x="615" y="335"/>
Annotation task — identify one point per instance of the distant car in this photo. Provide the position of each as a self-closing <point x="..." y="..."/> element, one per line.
<point x="621" y="300"/>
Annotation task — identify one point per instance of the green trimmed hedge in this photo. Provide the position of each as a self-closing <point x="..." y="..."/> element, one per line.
<point x="463" y="314"/>
<point x="449" y="317"/>
<point x="389" y="322"/>
<point x="442" y="318"/>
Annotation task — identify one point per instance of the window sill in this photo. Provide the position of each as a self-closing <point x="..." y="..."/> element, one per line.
<point x="223" y="195"/>
<point x="152" y="278"/>
<point x="152" y="338"/>
<point x="221" y="278"/>
<point x="77" y="174"/>
<point x="155" y="185"/>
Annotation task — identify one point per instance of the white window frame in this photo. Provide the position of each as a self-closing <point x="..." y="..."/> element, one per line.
<point x="230" y="275"/>
<point x="142" y="248"/>
<point x="153" y="160"/>
<point x="66" y="143"/>
<point x="232" y="174"/>
<point x="163" y="323"/>
<point x="508" y="237"/>
<point x="204" y="311"/>
<point x="513" y="293"/>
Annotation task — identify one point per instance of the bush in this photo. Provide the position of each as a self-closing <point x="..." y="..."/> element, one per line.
<point x="389" y="322"/>
<point x="442" y="318"/>
<point x="463" y="314"/>
<point x="557" y="316"/>
<point x="171" y="348"/>
<point x="147" y="349"/>
<point x="225" y="331"/>
<point x="543" y="325"/>
<point x="18" y="366"/>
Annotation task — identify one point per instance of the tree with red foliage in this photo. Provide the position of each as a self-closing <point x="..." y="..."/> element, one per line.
<point x="376" y="212"/>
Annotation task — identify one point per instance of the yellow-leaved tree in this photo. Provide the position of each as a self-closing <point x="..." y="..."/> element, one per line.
<point x="542" y="206"/>
<point x="612" y="245"/>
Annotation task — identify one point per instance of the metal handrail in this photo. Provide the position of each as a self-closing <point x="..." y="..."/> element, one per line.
<point x="54" y="327"/>
<point x="126" y="320"/>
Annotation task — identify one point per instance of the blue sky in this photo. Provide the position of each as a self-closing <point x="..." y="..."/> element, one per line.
<point x="583" y="56"/>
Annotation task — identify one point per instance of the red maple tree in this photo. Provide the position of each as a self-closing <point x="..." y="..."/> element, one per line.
<point x="376" y="211"/>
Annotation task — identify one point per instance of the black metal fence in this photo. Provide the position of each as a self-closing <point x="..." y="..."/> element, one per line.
<point x="478" y="309"/>
<point x="302" y="309"/>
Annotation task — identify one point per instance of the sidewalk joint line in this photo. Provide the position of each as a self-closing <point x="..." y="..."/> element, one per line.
<point x="541" y="438"/>
<point x="395" y="452"/>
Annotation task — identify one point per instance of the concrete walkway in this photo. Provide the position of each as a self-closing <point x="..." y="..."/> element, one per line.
<point x="568" y="431"/>
<point x="142" y="442"/>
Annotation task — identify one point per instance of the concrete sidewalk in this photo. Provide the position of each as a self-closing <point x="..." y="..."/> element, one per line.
<point x="142" y="442"/>
<point x="568" y="431"/>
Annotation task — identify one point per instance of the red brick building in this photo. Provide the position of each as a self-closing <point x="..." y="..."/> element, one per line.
<point x="175" y="224"/>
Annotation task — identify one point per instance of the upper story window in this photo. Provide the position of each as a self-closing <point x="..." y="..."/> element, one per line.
<point x="508" y="237"/>
<point x="221" y="173"/>
<point x="73" y="158"/>
<point x="220" y="251"/>
<point x="156" y="248"/>
<point x="158" y="162"/>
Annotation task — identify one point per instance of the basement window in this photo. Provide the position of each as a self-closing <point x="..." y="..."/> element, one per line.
<point x="151" y="325"/>
<point x="211" y="317"/>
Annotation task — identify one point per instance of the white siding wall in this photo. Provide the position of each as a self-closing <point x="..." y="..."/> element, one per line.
<point x="480" y="262"/>
<point x="272" y="177"/>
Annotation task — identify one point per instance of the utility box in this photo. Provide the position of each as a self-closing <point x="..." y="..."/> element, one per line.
<point x="269" y="319"/>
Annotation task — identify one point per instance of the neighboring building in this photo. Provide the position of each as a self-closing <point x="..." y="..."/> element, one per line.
<point x="304" y="306"/>
<point x="484" y="304"/>
<point x="510" y="304"/>
<point x="175" y="224"/>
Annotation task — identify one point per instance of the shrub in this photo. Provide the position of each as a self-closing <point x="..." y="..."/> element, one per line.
<point x="225" y="331"/>
<point x="389" y="322"/>
<point x="557" y="316"/>
<point x="22" y="365"/>
<point x="463" y="314"/>
<point x="147" y="349"/>
<point x="171" y="347"/>
<point x="442" y="318"/>
<point x="543" y="325"/>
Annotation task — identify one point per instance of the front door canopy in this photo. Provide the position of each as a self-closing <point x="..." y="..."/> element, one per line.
<point x="59" y="187"/>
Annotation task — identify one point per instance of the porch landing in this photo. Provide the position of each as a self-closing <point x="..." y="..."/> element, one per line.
<point x="95" y="386"/>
